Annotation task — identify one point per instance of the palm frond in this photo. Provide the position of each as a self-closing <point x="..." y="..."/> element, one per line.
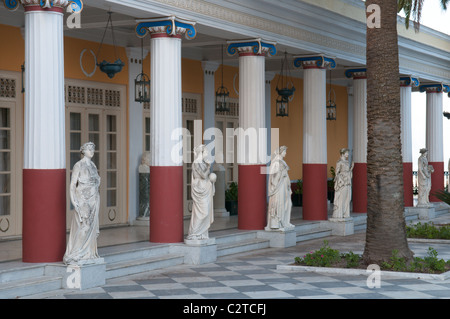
<point x="442" y="195"/>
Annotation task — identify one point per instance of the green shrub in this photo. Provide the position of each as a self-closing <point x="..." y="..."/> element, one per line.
<point x="324" y="257"/>
<point x="428" y="231"/>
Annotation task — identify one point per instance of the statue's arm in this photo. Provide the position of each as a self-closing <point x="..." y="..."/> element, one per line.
<point x="73" y="185"/>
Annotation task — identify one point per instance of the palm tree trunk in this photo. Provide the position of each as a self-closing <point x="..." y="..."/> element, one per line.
<point x="386" y="227"/>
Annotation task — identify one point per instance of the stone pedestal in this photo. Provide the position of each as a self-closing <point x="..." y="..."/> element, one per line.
<point x="424" y="212"/>
<point x="340" y="226"/>
<point x="83" y="276"/>
<point x="219" y="196"/>
<point x="279" y="238"/>
<point x="197" y="251"/>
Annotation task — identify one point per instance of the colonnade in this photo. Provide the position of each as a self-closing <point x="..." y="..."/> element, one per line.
<point x="44" y="208"/>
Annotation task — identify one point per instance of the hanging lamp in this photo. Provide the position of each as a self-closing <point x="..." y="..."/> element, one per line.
<point x="110" y="68"/>
<point x="222" y="94"/>
<point x="142" y="82"/>
<point x="285" y="89"/>
<point x="331" y="104"/>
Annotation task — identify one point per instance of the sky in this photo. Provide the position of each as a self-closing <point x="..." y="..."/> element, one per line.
<point x="435" y="18"/>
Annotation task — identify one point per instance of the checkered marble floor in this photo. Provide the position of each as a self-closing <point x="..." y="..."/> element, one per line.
<point x="255" y="276"/>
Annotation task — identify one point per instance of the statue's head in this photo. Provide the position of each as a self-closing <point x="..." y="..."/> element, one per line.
<point x="423" y="151"/>
<point x="87" y="146"/>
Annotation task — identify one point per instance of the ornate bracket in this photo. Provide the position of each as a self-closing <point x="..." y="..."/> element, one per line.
<point x="252" y="47"/>
<point x="315" y="61"/>
<point x="170" y="26"/>
<point x="75" y="5"/>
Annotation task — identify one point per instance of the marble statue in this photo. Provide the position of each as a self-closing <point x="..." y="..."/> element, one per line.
<point x="424" y="172"/>
<point x="84" y="195"/>
<point x="202" y="191"/>
<point x="342" y="186"/>
<point x="144" y="186"/>
<point x="279" y="192"/>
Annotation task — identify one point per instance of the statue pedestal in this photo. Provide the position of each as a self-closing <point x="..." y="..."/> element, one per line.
<point x="424" y="212"/>
<point x="83" y="276"/>
<point x="279" y="238"/>
<point x="197" y="251"/>
<point x="340" y="226"/>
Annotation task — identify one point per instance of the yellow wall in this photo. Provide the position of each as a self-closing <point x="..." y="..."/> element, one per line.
<point x="12" y="55"/>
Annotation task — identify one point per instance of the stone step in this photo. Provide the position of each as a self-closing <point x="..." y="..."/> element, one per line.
<point x="17" y="271"/>
<point x="313" y="234"/>
<point x="230" y="248"/>
<point x="29" y="286"/>
<point x="135" y="266"/>
<point x="131" y="252"/>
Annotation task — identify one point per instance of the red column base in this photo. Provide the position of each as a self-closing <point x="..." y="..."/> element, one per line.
<point x="315" y="192"/>
<point x="408" y="184"/>
<point x="44" y="215"/>
<point x="359" y="187"/>
<point x="252" y="201"/>
<point x="166" y="204"/>
<point x="437" y="179"/>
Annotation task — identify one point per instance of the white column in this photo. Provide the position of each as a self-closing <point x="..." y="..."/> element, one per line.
<point x="44" y="170"/>
<point x="209" y="109"/>
<point x="166" y="170"/>
<point x="359" y="154"/>
<point x="136" y="131"/>
<point x="406" y="84"/>
<point x="434" y="134"/>
<point x="315" y="205"/>
<point x="252" y="123"/>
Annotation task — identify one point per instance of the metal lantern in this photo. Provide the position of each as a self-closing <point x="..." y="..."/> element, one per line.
<point x="331" y="104"/>
<point x="222" y="94"/>
<point x="286" y="91"/>
<point x="282" y="106"/>
<point x="142" y="82"/>
<point x="142" y="88"/>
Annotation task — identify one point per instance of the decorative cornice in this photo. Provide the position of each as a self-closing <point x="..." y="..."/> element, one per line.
<point x="359" y="73"/>
<point x="317" y="61"/>
<point x="434" y="88"/>
<point x="409" y="81"/>
<point x="166" y="27"/>
<point x="46" y="5"/>
<point x="251" y="47"/>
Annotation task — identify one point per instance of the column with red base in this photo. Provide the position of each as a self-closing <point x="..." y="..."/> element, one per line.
<point x="44" y="172"/>
<point x="434" y="134"/>
<point x="166" y="169"/>
<point x="406" y="84"/>
<point x="314" y="135"/>
<point x="252" y="135"/>
<point x="359" y="183"/>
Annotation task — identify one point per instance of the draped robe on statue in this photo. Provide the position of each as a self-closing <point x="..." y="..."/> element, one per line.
<point x="279" y="191"/>
<point x="203" y="205"/>
<point x="84" y="194"/>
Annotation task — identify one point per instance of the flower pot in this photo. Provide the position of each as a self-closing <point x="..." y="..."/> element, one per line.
<point x="232" y="207"/>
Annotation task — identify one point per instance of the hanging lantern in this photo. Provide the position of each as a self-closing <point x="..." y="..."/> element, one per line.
<point x="285" y="89"/>
<point x="282" y="106"/>
<point x="222" y="94"/>
<point x="142" y="82"/>
<point x="331" y="104"/>
<point x="110" y="68"/>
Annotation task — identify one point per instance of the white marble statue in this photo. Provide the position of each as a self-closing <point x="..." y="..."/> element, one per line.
<point x="342" y="186"/>
<point x="202" y="191"/>
<point x="144" y="187"/>
<point x="424" y="172"/>
<point x="85" y="197"/>
<point x="279" y="191"/>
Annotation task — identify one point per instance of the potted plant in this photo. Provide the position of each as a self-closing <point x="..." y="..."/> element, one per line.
<point x="297" y="193"/>
<point x="330" y="185"/>
<point x="231" y="198"/>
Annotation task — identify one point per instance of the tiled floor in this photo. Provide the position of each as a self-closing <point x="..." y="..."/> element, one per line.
<point x="255" y="276"/>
